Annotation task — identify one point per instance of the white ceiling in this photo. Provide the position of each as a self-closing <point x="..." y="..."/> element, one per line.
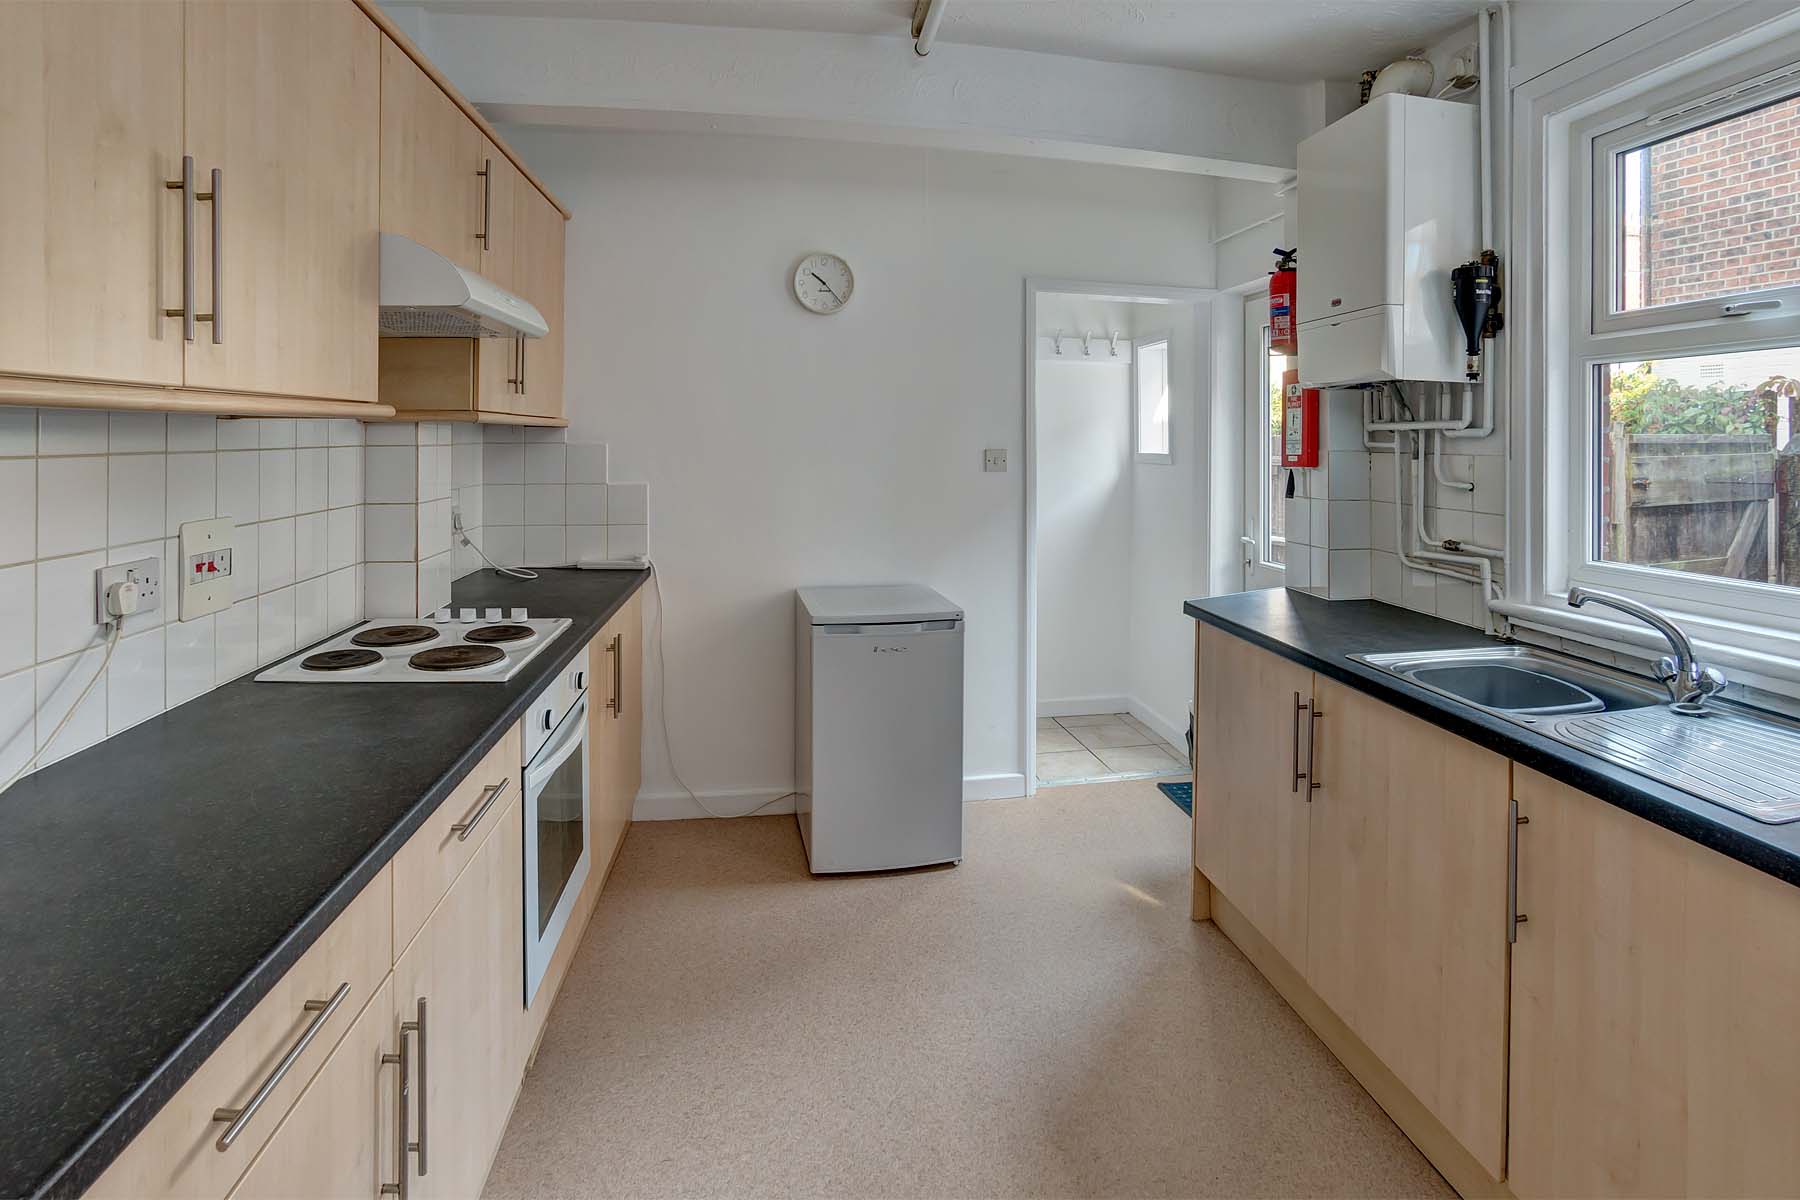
<point x="1287" y="40"/>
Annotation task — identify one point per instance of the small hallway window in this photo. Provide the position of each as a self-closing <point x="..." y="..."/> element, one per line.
<point x="1150" y="404"/>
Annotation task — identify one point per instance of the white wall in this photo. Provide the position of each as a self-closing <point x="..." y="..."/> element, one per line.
<point x="787" y="449"/>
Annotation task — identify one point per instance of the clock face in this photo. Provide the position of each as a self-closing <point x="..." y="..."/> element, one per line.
<point x="823" y="283"/>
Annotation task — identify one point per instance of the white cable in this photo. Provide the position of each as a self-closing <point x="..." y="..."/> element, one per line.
<point x="515" y="572"/>
<point x="662" y="714"/>
<point x="111" y="643"/>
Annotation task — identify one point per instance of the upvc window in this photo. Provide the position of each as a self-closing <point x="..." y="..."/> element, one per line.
<point x="1150" y="400"/>
<point x="1683" y="405"/>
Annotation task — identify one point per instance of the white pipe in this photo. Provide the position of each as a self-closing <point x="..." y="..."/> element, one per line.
<point x="1369" y="413"/>
<point x="1400" y="542"/>
<point x="1268" y="220"/>
<point x="1483" y="71"/>
<point x="1437" y="467"/>
<point x="925" y="28"/>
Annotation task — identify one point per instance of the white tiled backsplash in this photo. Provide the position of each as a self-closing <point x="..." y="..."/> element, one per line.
<point x="545" y="502"/>
<point x="1341" y="531"/>
<point x="80" y="489"/>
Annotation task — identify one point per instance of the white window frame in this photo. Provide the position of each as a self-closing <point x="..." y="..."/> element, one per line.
<point x="1258" y="504"/>
<point x="1663" y="78"/>
<point x="1166" y="340"/>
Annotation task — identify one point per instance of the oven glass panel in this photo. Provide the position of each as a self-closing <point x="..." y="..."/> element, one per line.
<point x="560" y="833"/>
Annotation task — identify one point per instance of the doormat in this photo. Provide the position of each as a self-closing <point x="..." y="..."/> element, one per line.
<point x="1182" y="794"/>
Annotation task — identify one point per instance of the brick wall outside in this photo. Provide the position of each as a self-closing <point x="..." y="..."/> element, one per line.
<point x="1724" y="207"/>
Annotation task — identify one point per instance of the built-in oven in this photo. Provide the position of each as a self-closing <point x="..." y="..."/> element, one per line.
<point x="556" y="791"/>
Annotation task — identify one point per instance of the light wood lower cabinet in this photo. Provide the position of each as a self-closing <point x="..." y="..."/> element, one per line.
<point x="1406" y="925"/>
<point x="1250" y="816"/>
<point x="1655" y="1050"/>
<point x="335" y="1142"/>
<point x="619" y="726"/>
<point x="462" y="981"/>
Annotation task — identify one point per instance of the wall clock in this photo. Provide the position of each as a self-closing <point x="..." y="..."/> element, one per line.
<point x="823" y="283"/>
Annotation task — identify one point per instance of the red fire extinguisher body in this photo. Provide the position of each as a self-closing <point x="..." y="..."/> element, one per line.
<point x="1284" y="284"/>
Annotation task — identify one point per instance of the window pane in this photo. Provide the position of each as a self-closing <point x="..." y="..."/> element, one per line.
<point x="1699" y="466"/>
<point x="1712" y="212"/>
<point x="1153" y="398"/>
<point x="1276" y="474"/>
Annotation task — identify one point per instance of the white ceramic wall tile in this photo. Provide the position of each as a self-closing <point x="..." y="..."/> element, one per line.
<point x="1381" y="477"/>
<point x="193" y="489"/>
<point x="546" y="462"/>
<point x="627" y="541"/>
<point x="433" y="528"/>
<point x="391" y="433"/>
<point x="71" y="504"/>
<point x="65" y="604"/>
<point x="344" y="476"/>
<point x="18" y="432"/>
<point x="1321" y="566"/>
<point x="234" y="632"/>
<point x="1489" y="473"/>
<point x="275" y="433"/>
<point x="1381" y="526"/>
<point x="277" y="468"/>
<point x="434" y="472"/>
<point x="18" y="731"/>
<point x="628" y="504"/>
<point x="1421" y="590"/>
<point x="544" y="504"/>
<point x="59" y="684"/>
<point x="235" y="433"/>
<point x="18" y="509"/>
<point x="503" y="463"/>
<point x="1349" y="524"/>
<point x="503" y="504"/>
<point x="587" y="463"/>
<point x="342" y="431"/>
<point x="390" y="589"/>
<point x="310" y="535"/>
<point x="275" y="554"/>
<point x="240" y="486"/>
<point x="188" y="671"/>
<point x="343" y="598"/>
<point x="135" y="681"/>
<point x="544" y="433"/>
<point x="1385" y="583"/>
<point x="545" y="546"/>
<point x="71" y="431"/>
<point x="18" y="619"/>
<point x="390" y="474"/>
<point x="1299" y="521"/>
<point x="1456" y="600"/>
<point x="1347" y="475"/>
<point x="586" y="504"/>
<point x="309" y="480"/>
<point x="1349" y="575"/>
<point x="192" y="431"/>
<point x="1458" y="468"/>
<point x="465" y="464"/>
<point x="274" y="625"/>
<point x="502" y="433"/>
<point x="135" y="498"/>
<point x="389" y="532"/>
<point x="315" y="432"/>
<point x="465" y="432"/>
<point x="1299" y="567"/>
<point x="244" y="546"/>
<point x="472" y="502"/>
<point x="1318" y="522"/>
<point x="343" y="534"/>
<point x="1451" y="523"/>
<point x="136" y="432"/>
<point x="434" y="582"/>
<point x="310" y="612"/>
<point x="505" y="544"/>
<point x="585" y="542"/>
<point x="1490" y="530"/>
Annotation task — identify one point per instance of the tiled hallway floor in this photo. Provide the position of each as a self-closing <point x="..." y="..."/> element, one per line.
<point x="1102" y="746"/>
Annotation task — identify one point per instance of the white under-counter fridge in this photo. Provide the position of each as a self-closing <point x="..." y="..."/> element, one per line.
<point x="878" y="727"/>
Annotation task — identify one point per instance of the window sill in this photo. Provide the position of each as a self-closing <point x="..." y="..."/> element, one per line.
<point x="1760" y="657"/>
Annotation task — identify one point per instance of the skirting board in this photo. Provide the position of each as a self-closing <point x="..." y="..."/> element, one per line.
<point x="1083" y="706"/>
<point x="678" y="806"/>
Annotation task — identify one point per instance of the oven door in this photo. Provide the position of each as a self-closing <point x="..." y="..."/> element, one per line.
<point x="557" y="858"/>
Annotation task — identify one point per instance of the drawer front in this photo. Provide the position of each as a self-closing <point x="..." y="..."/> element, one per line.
<point x="434" y="856"/>
<point x="177" y="1154"/>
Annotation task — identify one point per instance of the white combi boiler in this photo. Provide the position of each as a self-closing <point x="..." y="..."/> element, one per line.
<point x="878" y="727"/>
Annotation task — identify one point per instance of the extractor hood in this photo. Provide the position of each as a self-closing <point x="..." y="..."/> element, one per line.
<point x="425" y="295"/>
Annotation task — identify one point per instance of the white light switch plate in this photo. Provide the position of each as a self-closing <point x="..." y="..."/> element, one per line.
<point x="204" y="563"/>
<point x="993" y="460"/>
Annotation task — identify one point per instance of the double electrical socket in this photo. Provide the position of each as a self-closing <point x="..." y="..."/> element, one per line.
<point x="144" y="573"/>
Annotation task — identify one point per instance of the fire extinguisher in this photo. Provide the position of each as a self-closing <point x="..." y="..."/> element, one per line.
<point x="1284" y="281"/>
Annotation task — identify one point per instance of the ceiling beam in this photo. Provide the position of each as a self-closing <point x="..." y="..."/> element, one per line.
<point x="581" y="72"/>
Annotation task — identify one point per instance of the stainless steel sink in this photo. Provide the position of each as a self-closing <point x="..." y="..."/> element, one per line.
<point x="1741" y="758"/>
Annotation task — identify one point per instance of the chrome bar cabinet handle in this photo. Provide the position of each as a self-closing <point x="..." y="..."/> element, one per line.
<point x="1514" y="918"/>
<point x="217" y="197"/>
<point x="515" y="382"/>
<point x="616" y="648"/>
<point x="1312" y="752"/>
<point x="402" y="1092"/>
<point x="1300" y="706"/>
<point x="463" y="828"/>
<point x="185" y="185"/>
<point x="418" y="1027"/>
<point x="521" y="364"/>
<point x="236" y="1119"/>
<point x="487" y="200"/>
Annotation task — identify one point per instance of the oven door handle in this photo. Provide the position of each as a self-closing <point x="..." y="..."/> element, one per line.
<point x="570" y="736"/>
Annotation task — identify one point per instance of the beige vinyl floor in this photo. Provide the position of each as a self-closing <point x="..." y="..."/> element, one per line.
<point x="1043" y="1020"/>
<point x="1102" y="747"/>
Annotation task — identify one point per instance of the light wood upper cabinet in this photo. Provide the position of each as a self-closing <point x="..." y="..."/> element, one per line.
<point x="1406" y="933"/>
<point x="431" y="154"/>
<point x="467" y="965"/>
<point x="1254" y="823"/>
<point x="338" y="1139"/>
<point x="501" y="185"/>
<point x="538" y="271"/>
<point x="279" y="98"/>
<point x="1654" y="1046"/>
<point x="90" y="129"/>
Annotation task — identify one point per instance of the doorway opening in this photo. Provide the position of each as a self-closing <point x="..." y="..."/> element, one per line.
<point x="1115" y="536"/>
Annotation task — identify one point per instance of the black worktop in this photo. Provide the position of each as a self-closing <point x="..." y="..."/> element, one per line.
<point x="155" y="886"/>
<point x="1321" y="634"/>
